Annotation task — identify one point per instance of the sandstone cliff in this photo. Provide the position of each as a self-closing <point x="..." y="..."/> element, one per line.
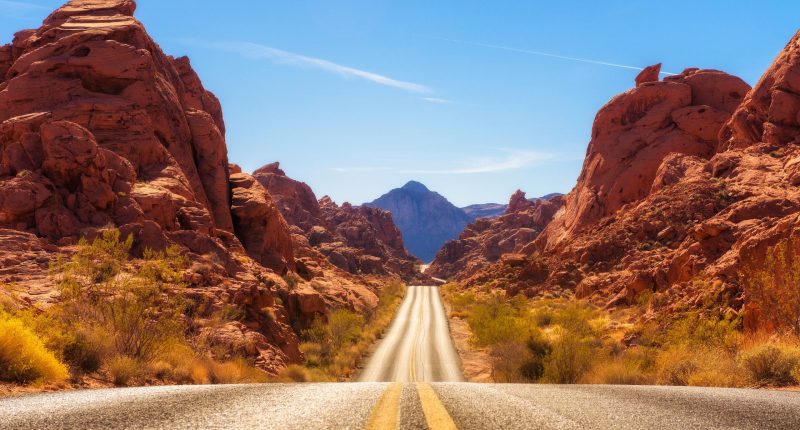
<point x="487" y="239"/>
<point x="99" y="128"/>
<point x="358" y="240"/>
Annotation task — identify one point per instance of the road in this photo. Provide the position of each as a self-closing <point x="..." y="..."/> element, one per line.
<point x="414" y="357"/>
<point x="406" y="406"/>
<point x="417" y="347"/>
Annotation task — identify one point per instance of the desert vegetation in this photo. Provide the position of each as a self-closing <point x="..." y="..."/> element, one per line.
<point x="772" y="287"/>
<point x="335" y="344"/>
<point x="119" y="320"/>
<point x="571" y="341"/>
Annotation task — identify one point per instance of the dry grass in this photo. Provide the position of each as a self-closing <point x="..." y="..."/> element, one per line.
<point x="333" y="348"/>
<point x="124" y="369"/>
<point x="773" y="286"/>
<point x="120" y="319"/>
<point x="568" y="341"/>
<point x="24" y="357"/>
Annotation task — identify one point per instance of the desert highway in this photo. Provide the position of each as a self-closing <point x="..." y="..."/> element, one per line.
<point x="417" y="347"/>
<point x="411" y="381"/>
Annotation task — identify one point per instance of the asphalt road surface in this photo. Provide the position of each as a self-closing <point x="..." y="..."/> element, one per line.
<point x="373" y="405"/>
<point x="413" y="357"/>
<point x="417" y="347"/>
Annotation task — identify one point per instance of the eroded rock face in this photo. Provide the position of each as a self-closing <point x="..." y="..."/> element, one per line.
<point x="698" y="212"/>
<point x="261" y="227"/>
<point x="671" y="200"/>
<point x="486" y="240"/>
<point x="634" y="133"/>
<point x="358" y="240"/>
<point x="769" y="112"/>
<point x="99" y="127"/>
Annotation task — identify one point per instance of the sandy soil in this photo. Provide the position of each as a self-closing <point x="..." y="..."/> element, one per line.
<point x="475" y="363"/>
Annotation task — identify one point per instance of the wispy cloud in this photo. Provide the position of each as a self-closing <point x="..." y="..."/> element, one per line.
<point x="548" y="54"/>
<point x="258" y="51"/>
<point x="437" y="101"/>
<point x="8" y="6"/>
<point x="510" y="159"/>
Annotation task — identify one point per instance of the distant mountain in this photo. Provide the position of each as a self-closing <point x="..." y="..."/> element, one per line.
<point x="494" y="210"/>
<point x="484" y="210"/>
<point x="426" y="219"/>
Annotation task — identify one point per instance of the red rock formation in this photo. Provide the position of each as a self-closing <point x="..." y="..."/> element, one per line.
<point x="99" y="127"/>
<point x="658" y="207"/>
<point x="358" y="240"/>
<point x="486" y="240"/>
<point x="261" y="227"/>
<point x="649" y="74"/>
<point x="634" y="133"/>
<point x="697" y="211"/>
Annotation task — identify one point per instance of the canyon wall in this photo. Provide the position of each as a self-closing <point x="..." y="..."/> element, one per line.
<point x="99" y="128"/>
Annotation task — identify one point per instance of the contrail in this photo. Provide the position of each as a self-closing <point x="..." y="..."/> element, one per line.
<point x="547" y="54"/>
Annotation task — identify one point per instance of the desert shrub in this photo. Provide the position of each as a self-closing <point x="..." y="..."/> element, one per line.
<point x="24" y="357"/>
<point x="570" y="358"/>
<point x="575" y="318"/>
<point x="695" y="330"/>
<point x="235" y="371"/>
<point x="617" y="371"/>
<point x="139" y="309"/>
<point x="699" y="366"/>
<point x="84" y="353"/>
<point x="770" y="364"/>
<point x="123" y="369"/>
<point x="507" y="359"/>
<point x="495" y="321"/>
<point x="532" y="369"/>
<point x="774" y="286"/>
<point x="543" y="316"/>
<point x="333" y="347"/>
<point x="312" y="352"/>
<point x="344" y="327"/>
<point x="676" y="365"/>
<point x="298" y="373"/>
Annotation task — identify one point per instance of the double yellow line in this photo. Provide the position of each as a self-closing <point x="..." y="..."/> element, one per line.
<point x="386" y="412"/>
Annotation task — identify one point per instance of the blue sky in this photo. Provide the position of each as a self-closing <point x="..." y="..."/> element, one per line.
<point x="356" y="97"/>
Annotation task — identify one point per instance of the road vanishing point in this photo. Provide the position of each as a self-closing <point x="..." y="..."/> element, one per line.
<point x="412" y="381"/>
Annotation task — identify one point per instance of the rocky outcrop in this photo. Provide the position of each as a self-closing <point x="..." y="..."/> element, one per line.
<point x="357" y="239"/>
<point x="658" y="207"/>
<point x="634" y="133"/>
<point x="686" y="185"/>
<point x="426" y="219"/>
<point x="260" y="225"/>
<point x="98" y="128"/>
<point x="486" y="240"/>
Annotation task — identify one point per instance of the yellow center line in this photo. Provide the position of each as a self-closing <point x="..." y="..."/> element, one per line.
<point x="412" y="368"/>
<point x="384" y="414"/>
<point x="436" y="414"/>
